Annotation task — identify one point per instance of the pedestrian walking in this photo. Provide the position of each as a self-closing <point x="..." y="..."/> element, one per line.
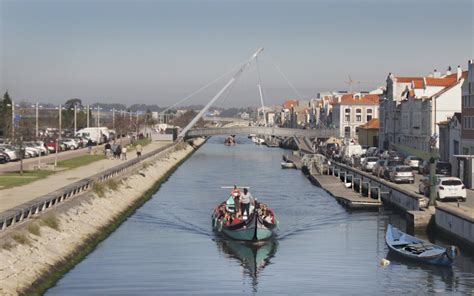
<point x="124" y="153"/>
<point x="89" y="146"/>
<point x="119" y="151"/>
<point x="139" y="150"/>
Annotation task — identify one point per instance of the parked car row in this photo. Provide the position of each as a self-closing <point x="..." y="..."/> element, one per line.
<point x="393" y="167"/>
<point x="34" y="149"/>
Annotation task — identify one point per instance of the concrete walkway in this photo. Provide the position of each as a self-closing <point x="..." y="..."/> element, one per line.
<point x="13" y="197"/>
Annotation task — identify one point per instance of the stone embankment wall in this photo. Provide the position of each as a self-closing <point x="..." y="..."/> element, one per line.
<point x="34" y="254"/>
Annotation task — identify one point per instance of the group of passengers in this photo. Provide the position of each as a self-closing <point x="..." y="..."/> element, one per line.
<point x="237" y="207"/>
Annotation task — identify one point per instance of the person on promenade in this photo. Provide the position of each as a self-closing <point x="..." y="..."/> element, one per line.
<point x="89" y="146"/>
<point x="114" y="150"/>
<point x="124" y="152"/>
<point x="107" y="149"/>
<point x="245" y="200"/>
<point x="118" y="152"/>
<point x="139" y="150"/>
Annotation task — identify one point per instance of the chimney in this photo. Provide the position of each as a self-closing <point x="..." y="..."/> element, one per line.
<point x="459" y="73"/>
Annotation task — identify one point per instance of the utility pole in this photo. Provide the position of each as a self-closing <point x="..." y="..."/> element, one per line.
<point x="98" y="115"/>
<point x="37" y="133"/>
<point x="87" y="115"/>
<point x="13" y="121"/>
<point x="113" y="118"/>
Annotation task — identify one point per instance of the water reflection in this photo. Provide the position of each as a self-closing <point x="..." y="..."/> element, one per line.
<point x="253" y="257"/>
<point x="434" y="273"/>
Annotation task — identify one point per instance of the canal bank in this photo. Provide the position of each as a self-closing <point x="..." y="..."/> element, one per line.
<point x="36" y="253"/>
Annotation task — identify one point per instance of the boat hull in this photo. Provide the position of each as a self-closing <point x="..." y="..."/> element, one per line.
<point x="253" y="230"/>
<point x="400" y="244"/>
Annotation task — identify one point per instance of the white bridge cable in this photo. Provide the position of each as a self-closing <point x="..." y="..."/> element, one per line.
<point x="286" y="79"/>
<point x="201" y="89"/>
<point x="261" y="91"/>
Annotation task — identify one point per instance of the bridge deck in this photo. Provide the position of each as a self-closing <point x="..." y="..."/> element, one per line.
<point x="266" y="131"/>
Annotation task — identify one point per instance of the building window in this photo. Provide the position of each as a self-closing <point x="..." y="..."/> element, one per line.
<point x="357" y="130"/>
<point x="358" y="115"/>
<point x="347" y="131"/>
<point x="347" y="113"/>
<point x="369" y="115"/>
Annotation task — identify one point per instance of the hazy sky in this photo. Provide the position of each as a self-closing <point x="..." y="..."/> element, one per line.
<point x="157" y="52"/>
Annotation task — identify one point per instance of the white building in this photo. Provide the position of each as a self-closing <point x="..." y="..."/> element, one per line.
<point x="353" y="110"/>
<point x="413" y="107"/>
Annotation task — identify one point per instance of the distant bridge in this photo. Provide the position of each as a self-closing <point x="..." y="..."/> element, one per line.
<point x="265" y="131"/>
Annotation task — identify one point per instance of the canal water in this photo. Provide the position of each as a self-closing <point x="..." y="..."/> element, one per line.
<point x="168" y="248"/>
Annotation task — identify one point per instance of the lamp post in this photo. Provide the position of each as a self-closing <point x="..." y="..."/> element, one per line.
<point x="87" y="112"/>
<point x="37" y="133"/>
<point x="98" y="115"/>
<point x="113" y="118"/>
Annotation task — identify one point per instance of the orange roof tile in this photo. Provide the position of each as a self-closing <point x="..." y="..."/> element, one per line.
<point x="288" y="104"/>
<point x="432" y="81"/>
<point x="372" y="124"/>
<point x="369" y="99"/>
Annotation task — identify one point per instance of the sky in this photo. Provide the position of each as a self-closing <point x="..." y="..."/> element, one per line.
<point x="158" y="52"/>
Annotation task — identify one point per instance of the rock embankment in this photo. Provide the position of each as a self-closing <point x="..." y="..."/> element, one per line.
<point x="35" y="254"/>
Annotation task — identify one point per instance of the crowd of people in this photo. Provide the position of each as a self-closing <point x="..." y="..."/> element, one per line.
<point x="115" y="151"/>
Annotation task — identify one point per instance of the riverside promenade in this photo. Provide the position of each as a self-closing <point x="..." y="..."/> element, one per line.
<point x="12" y="197"/>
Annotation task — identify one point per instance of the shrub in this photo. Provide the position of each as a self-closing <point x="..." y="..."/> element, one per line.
<point x="20" y="238"/>
<point x="34" y="228"/>
<point x="98" y="189"/>
<point x="112" y="184"/>
<point x="7" y="246"/>
<point x="51" y="221"/>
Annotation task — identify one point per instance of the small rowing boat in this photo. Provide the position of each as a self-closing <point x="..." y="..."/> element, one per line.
<point x="287" y="165"/>
<point x="413" y="248"/>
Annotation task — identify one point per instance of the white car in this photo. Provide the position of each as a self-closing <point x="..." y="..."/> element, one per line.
<point x="450" y="188"/>
<point x="447" y="188"/>
<point x="413" y="161"/>
<point x="71" y="144"/>
<point x="12" y="153"/>
<point x="368" y="163"/>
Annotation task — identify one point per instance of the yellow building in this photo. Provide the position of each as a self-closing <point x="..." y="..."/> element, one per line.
<point x="369" y="133"/>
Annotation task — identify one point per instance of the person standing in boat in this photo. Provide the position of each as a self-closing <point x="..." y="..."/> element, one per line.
<point x="245" y="200"/>
<point x="236" y="195"/>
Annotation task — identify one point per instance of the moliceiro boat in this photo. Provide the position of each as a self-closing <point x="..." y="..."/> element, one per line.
<point x="258" y="225"/>
<point x="416" y="249"/>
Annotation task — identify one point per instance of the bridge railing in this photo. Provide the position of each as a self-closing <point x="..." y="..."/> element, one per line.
<point x="267" y="131"/>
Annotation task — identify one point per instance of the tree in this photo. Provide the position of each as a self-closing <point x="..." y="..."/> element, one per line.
<point x="6" y="114"/>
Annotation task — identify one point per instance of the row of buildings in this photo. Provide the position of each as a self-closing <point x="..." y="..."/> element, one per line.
<point x="412" y="114"/>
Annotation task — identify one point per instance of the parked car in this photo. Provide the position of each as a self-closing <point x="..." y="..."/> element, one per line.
<point x="388" y="165"/>
<point x="389" y="154"/>
<point x="11" y="152"/>
<point x="70" y="144"/>
<point x="401" y="173"/>
<point x="378" y="166"/>
<point x="413" y="161"/>
<point x="369" y="163"/>
<point x="371" y="151"/>
<point x="442" y="168"/>
<point x="447" y="188"/>
<point x="3" y="157"/>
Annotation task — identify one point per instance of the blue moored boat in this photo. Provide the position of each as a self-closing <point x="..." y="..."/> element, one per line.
<point x="413" y="248"/>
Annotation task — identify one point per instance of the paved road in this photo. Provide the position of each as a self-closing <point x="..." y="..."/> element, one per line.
<point x="13" y="197"/>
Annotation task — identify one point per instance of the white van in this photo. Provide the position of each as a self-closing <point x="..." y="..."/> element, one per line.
<point x="96" y="134"/>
